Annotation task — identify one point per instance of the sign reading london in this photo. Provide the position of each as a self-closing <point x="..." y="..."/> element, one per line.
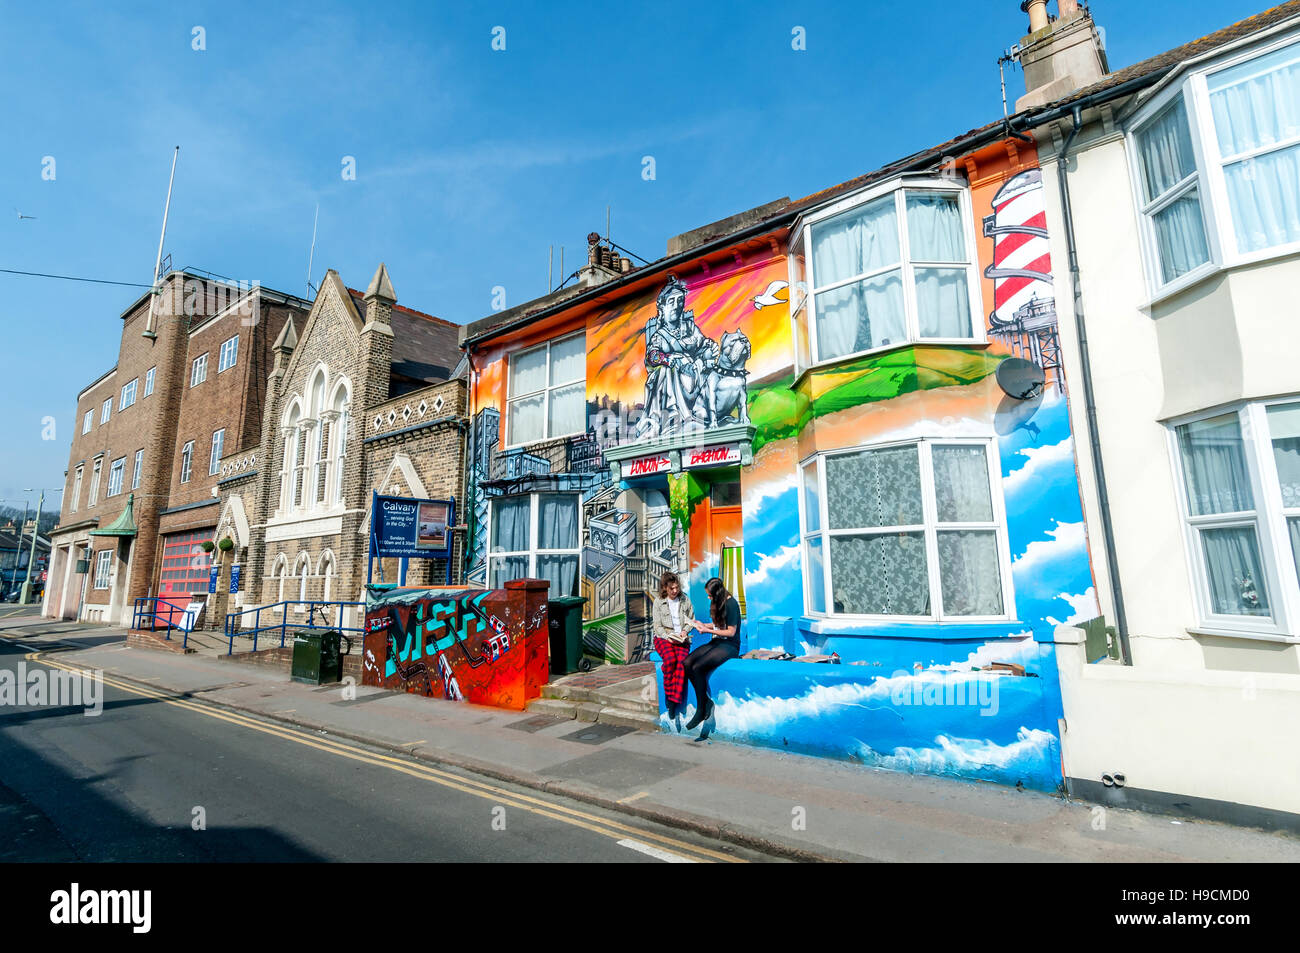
<point x="401" y="526"/>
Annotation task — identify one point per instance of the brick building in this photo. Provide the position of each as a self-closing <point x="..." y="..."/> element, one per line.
<point x="363" y="396"/>
<point x="187" y="392"/>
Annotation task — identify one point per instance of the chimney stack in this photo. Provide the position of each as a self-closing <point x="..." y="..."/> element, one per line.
<point x="1061" y="55"/>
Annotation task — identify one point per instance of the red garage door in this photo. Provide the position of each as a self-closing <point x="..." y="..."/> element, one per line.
<point x="184" y="570"/>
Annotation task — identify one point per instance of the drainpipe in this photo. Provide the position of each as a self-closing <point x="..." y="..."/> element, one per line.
<point x="1089" y="402"/>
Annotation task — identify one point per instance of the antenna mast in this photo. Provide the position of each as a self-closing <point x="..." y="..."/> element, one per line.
<point x="311" y="256"/>
<point x="148" y="328"/>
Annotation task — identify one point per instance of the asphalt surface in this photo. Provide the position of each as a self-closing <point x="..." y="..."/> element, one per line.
<point x="133" y="783"/>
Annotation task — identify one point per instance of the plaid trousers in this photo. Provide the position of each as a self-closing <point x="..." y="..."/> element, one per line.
<point x="673" y="655"/>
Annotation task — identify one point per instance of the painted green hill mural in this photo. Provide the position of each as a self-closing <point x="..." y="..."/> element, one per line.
<point x="778" y="412"/>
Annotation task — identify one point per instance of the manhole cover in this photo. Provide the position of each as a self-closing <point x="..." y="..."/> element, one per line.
<point x="596" y="734"/>
<point x="537" y="723"/>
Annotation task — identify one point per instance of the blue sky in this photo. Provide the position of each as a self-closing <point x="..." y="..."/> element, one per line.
<point x="470" y="162"/>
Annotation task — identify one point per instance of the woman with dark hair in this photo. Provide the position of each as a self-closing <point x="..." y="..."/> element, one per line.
<point x="725" y="629"/>
<point x="671" y="620"/>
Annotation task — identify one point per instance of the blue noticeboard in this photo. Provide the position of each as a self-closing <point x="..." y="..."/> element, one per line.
<point x="234" y="579"/>
<point x="212" y="579"/>
<point x="401" y="526"/>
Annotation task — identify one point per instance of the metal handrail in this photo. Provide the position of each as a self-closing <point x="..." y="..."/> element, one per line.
<point x="146" y="607"/>
<point x="283" y="625"/>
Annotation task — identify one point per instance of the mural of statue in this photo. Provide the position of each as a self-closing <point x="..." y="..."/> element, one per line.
<point x="690" y="382"/>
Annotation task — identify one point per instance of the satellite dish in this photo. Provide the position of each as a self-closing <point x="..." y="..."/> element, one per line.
<point x="1020" y="379"/>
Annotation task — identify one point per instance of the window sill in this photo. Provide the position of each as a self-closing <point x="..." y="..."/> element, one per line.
<point x="910" y="628"/>
<point x="1226" y="633"/>
<point x="1213" y="269"/>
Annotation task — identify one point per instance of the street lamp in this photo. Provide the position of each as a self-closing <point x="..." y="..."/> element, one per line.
<point x="25" y="597"/>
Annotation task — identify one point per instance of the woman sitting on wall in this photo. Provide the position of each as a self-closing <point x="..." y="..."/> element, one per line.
<point x="671" y="619"/>
<point x="725" y="629"/>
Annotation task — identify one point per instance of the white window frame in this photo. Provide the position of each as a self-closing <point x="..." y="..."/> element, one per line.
<point x="103" y="569"/>
<point x="533" y="551"/>
<point x="88" y="421"/>
<point x="804" y="287"/>
<point x="106" y="411"/>
<point x="128" y="394"/>
<point x="545" y="392"/>
<point x="76" y="488"/>
<point x="137" y="469"/>
<point x="1209" y="178"/>
<point x="199" y="370"/>
<point x="116" y="476"/>
<point x="1269" y="519"/>
<point x="930" y="528"/>
<point x="187" y="461"/>
<point x="95" y="473"/>
<point x="229" y="354"/>
<point x="148" y="381"/>
<point x="218" y="447"/>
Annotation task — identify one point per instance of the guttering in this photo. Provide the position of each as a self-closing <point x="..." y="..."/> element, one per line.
<point x="1089" y="402"/>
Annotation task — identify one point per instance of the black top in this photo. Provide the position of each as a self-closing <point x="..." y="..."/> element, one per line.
<point x="731" y="619"/>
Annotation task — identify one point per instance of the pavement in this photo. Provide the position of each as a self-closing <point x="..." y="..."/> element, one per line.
<point x="774" y="802"/>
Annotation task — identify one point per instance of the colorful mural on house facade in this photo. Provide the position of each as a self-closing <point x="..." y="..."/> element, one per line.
<point x="914" y="629"/>
<point x="666" y="369"/>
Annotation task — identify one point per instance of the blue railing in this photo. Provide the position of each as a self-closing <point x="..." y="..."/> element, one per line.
<point x="320" y="615"/>
<point x="154" y="612"/>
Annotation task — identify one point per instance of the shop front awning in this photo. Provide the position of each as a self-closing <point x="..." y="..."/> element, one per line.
<point x="124" y="525"/>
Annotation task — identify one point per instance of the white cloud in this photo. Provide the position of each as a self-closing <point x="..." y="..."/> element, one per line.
<point x="1038" y="460"/>
<point x="783" y="558"/>
<point x="757" y="497"/>
<point x="1084" y="606"/>
<point x="1067" y="539"/>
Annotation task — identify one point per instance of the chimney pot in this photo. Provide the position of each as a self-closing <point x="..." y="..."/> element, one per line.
<point x="1067" y="8"/>
<point x="1037" y="10"/>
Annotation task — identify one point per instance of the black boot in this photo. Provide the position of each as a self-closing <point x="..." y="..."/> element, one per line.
<point x="701" y="714"/>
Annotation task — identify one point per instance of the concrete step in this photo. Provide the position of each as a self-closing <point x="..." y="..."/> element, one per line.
<point x="592" y="712"/>
<point x="627" y="695"/>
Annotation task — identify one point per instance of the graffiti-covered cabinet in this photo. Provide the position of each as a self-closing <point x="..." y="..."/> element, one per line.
<point x="646" y="476"/>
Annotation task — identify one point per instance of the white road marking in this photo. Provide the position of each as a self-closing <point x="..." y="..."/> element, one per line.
<point x="29" y="648"/>
<point x="668" y="857"/>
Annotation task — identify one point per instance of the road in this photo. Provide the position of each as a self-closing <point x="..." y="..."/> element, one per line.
<point x="133" y="784"/>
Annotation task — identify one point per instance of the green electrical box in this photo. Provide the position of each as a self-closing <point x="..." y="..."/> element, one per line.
<point x="565" y="621"/>
<point x="317" y="657"/>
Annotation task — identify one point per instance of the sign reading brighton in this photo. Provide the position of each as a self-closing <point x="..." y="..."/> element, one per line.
<point x="401" y="526"/>
<point x="716" y="456"/>
<point x="647" y="466"/>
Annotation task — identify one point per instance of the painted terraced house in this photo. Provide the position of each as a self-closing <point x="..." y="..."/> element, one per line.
<point x="835" y="404"/>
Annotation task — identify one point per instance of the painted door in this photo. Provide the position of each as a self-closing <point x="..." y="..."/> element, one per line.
<point x="726" y="545"/>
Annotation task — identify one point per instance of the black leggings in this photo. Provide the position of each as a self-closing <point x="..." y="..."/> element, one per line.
<point x="701" y="663"/>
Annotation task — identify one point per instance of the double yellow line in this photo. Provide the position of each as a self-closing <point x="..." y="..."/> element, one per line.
<point x="499" y="796"/>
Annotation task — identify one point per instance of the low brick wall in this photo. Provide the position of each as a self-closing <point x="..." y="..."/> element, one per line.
<point x="137" y="639"/>
<point x="281" y="659"/>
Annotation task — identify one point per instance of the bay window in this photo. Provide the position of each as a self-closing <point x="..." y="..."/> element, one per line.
<point x="894" y="269"/>
<point x="547" y="392"/>
<point x="1217" y="162"/>
<point x="1170" y="188"/>
<point x="1240" y="489"/>
<point x="535" y="535"/>
<point x="910" y="530"/>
